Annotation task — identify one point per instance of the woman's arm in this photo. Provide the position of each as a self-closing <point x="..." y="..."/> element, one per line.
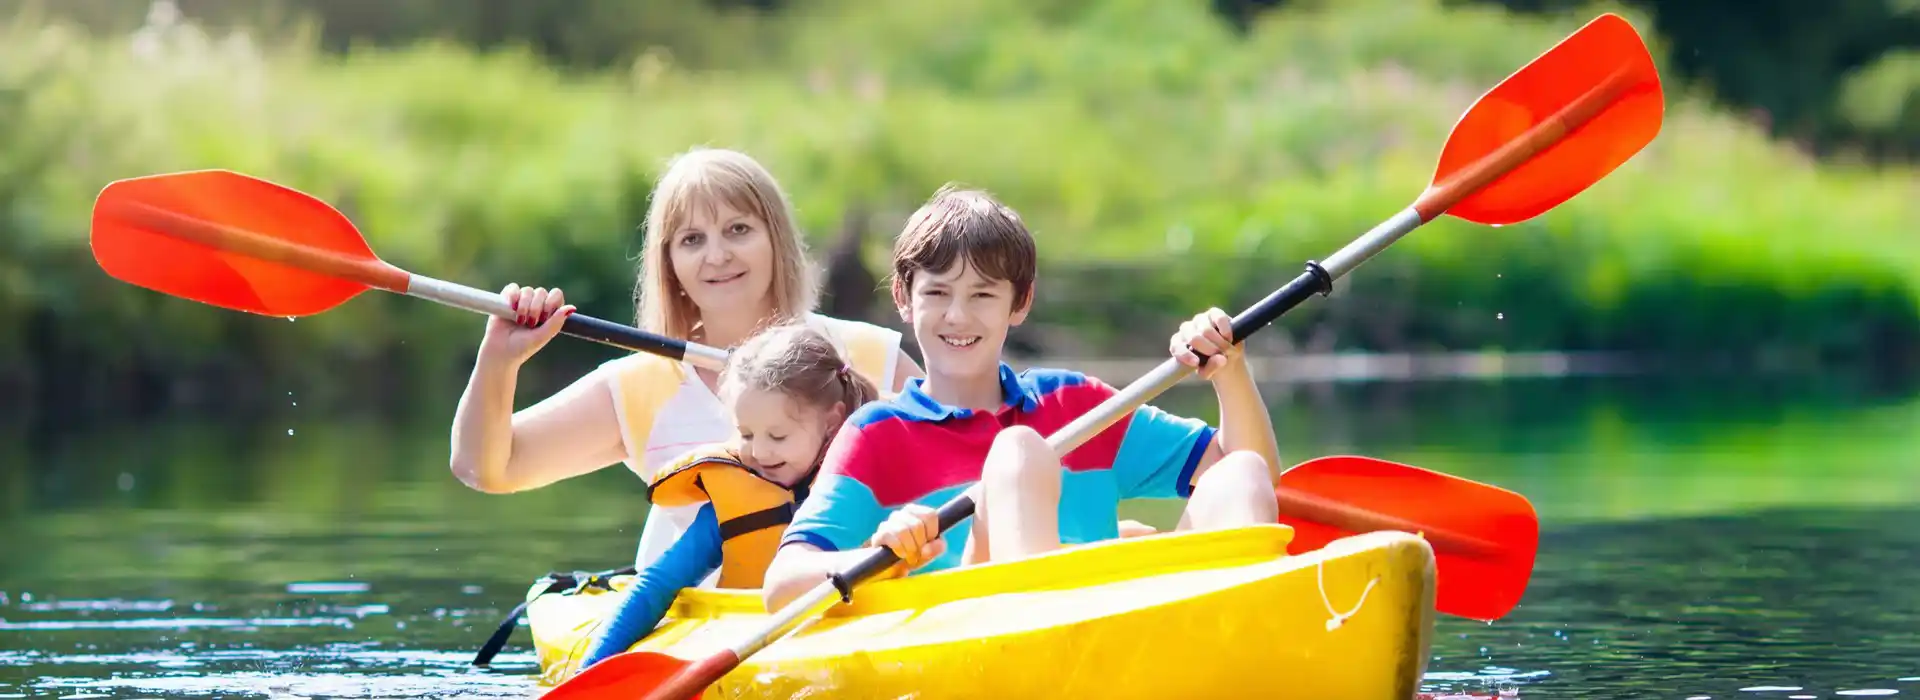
<point x="495" y="450"/>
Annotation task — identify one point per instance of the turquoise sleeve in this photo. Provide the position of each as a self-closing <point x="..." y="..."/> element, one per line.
<point x="1160" y="453"/>
<point x="692" y="558"/>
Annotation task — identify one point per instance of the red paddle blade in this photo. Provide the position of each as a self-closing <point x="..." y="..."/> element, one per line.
<point x="633" y="674"/>
<point x="1550" y="130"/>
<point x="1484" y="537"/>
<point x="233" y="241"/>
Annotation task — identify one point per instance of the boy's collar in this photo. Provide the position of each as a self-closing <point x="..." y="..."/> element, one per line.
<point x="920" y="406"/>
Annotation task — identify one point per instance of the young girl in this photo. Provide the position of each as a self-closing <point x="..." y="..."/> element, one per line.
<point x="787" y="390"/>
<point x="722" y="258"/>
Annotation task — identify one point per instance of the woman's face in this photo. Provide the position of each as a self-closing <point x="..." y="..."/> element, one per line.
<point x="723" y="259"/>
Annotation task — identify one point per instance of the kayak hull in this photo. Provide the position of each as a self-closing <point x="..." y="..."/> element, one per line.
<point x="1200" y="614"/>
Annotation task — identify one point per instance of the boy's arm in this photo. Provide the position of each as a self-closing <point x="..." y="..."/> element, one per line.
<point x="1244" y="421"/>
<point x="1162" y="455"/>
<point x="799" y="566"/>
<point x="691" y="558"/>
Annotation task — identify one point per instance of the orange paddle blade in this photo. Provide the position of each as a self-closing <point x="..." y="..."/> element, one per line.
<point x="1484" y="537"/>
<point x="633" y="674"/>
<point x="1560" y="124"/>
<point x="234" y="241"/>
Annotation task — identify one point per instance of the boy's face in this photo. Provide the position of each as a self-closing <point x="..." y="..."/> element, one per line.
<point x="960" y="319"/>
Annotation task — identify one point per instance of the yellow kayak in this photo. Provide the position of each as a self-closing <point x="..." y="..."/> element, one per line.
<point x="1177" y="614"/>
<point x="1196" y="614"/>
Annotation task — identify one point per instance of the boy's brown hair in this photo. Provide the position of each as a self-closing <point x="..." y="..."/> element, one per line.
<point x="965" y="225"/>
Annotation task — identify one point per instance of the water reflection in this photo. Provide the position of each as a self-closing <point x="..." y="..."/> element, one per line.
<point x="1757" y="544"/>
<point x="1820" y="601"/>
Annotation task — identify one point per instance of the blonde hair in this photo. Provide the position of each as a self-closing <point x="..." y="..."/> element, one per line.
<point x="706" y="177"/>
<point x="797" y="361"/>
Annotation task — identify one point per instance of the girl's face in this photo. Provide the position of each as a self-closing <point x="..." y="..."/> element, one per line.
<point x="779" y="437"/>
<point x="723" y="258"/>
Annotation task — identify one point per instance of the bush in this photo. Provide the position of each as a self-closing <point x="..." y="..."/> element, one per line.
<point x="1138" y="137"/>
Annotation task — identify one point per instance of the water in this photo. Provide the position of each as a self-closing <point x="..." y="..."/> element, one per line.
<point x="1723" y="540"/>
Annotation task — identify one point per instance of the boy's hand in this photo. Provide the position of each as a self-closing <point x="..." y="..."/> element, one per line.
<point x="1209" y="333"/>
<point x="913" y="533"/>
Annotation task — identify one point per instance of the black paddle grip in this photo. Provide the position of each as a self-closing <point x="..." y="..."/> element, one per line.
<point x="623" y="336"/>
<point x="950" y="514"/>
<point x="1315" y="280"/>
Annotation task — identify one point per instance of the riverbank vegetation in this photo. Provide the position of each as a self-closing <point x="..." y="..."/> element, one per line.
<point x="1167" y="161"/>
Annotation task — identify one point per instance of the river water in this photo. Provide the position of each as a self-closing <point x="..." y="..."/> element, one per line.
<point x="1727" y="538"/>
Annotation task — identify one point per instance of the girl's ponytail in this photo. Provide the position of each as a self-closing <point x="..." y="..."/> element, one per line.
<point x="855" y="388"/>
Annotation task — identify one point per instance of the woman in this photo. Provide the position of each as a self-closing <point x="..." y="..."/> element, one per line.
<point x="723" y="258"/>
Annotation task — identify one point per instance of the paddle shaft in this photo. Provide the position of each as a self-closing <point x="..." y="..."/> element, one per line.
<point x="598" y="330"/>
<point x="377" y="273"/>
<point x="1317" y="279"/>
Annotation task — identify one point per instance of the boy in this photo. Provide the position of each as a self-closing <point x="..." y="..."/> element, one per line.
<point x="963" y="273"/>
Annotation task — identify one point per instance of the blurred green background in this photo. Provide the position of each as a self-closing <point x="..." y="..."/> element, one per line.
<point x="1200" y="152"/>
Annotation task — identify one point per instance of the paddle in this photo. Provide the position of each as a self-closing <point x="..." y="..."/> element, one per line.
<point x="1546" y="133"/>
<point x="1484" y="537"/>
<point x="243" y="243"/>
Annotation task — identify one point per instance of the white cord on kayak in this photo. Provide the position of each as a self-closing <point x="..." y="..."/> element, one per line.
<point x="1340" y="618"/>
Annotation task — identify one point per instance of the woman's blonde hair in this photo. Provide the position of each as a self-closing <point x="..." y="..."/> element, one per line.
<point x="706" y="177"/>
<point x="795" y="360"/>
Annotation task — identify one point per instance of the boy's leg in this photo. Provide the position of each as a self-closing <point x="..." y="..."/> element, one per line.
<point x="1236" y="491"/>
<point x="1019" y="510"/>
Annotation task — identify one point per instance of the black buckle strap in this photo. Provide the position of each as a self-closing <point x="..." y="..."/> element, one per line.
<point x="562" y="582"/>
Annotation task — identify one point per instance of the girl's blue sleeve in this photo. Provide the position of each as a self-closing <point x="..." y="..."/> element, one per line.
<point x="695" y="555"/>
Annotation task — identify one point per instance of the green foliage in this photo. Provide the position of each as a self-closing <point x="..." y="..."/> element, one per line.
<point x="1140" y="138"/>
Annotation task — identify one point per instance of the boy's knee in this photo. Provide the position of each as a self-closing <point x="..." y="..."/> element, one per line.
<point x="1239" y="470"/>
<point x="1019" y="438"/>
<point x="1235" y="491"/>
<point x="1019" y="452"/>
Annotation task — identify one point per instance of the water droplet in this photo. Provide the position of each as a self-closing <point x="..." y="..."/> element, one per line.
<point x="289" y="319"/>
<point x="126" y="481"/>
<point x="1496" y="225"/>
<point x="1869" y="691"/>
<point x="1767" y="688"/>
<point x="289" y="431"/>
<point x="1502" y="316"/>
